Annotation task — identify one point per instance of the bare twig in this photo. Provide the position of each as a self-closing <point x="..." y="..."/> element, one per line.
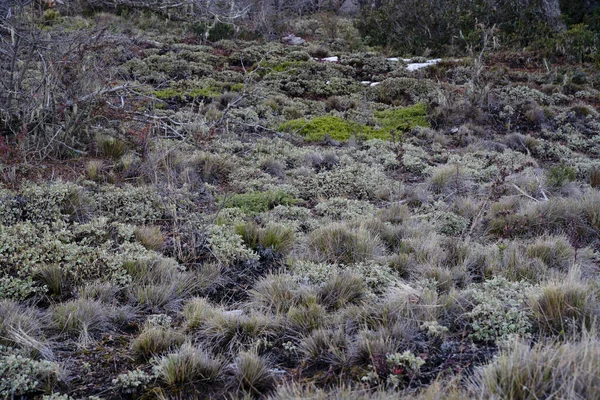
<point x="524" y="193"/>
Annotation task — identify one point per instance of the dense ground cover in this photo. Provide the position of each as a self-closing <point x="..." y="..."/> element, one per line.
<point x="241" y="219"/>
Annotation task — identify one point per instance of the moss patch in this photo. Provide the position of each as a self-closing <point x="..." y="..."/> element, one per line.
<point x="205" y="92"/>
<point x="333" y="127"/>
<point x="257" y="202"/>
<point x="403" y="119"/>
<point x="168" y="94"/>
<point x="275" y="68"/>
<point x="399" y="120"/>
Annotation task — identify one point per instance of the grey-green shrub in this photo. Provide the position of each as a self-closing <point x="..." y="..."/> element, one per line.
<point x="499" y="310"/>
<point x="22" y="376"/>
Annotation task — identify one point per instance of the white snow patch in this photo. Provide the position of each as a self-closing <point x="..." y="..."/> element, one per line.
<point x="416" y="66"/>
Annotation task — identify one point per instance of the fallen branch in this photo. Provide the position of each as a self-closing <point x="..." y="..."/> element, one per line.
<point x="525" y="193"/>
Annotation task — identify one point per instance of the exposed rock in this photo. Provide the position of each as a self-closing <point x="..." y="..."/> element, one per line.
<point x="293" y="40"/>
<point x="350" y="8"/>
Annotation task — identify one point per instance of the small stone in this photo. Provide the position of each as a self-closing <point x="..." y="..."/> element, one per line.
<point x="293" y="40"/>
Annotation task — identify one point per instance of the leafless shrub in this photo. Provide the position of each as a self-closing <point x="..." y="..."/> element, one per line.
<point x="52" y="80"/>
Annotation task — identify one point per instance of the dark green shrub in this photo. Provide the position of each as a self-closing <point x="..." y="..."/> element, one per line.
<point x="560" y="175"/>
<point x="214" y="32"/>
<point x="579" y="43"/>
<point x="414" y="26"/>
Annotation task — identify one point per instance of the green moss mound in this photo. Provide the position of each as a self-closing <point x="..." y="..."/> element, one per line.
<point x="395" y="120"/>
<point x="256" y="202"/>
<point x="403" y="119"/>
<point x="333" y="127"/>
<point x="209" y="92"/>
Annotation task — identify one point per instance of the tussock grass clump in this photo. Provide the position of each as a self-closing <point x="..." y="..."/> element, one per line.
<point x="80" y="317"/>
<point x="213" y="168"/>
<point x="338" y="243"/>
<point x="54" y="278"/>
<point x="207" y="277"/>
<point x="342" y="289"/>
<point x="576" y="217"/>
<point x="564" y="307"/>
<point x="104" y="292"/>
<point x="326" y="347"/>
<point x="395" y="213"/>
<point x="109" y="146"/>
<point x="408" y="305"/>
<point x="156" y="297"/>
<point x="306" y="318"/>
<point x="562" y="371"/>
<point x="189" y="366"/>
<point x="391" y="235"/>
<point x="555" y="251"/>
<point x="158" y="284"/>
<point x="272" y="167"/>
<point x="252" y="374"/>
<point x="279" y="238"/>
<point x="512" y="262"/>
<point x="450" y="179"/>
<point x="154" y="341"/>
<point x="372" y="346"/>
<point x="277" y="293"/>
<point x="231" y="330"/>
<point x="93" y="170"/>
<point x="196" y="311"/>
<point x="23" y="326"/>
<point x="150" y="237"/>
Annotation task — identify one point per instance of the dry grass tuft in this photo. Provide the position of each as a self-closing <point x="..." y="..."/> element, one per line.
<point x="150" y="237"/>
<point x="565" y="307"/>
<point x="252" y="374"/>
<point x="189" y="366"/>
<point x="562" y="371"/>
<point x="338" y="243"/>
